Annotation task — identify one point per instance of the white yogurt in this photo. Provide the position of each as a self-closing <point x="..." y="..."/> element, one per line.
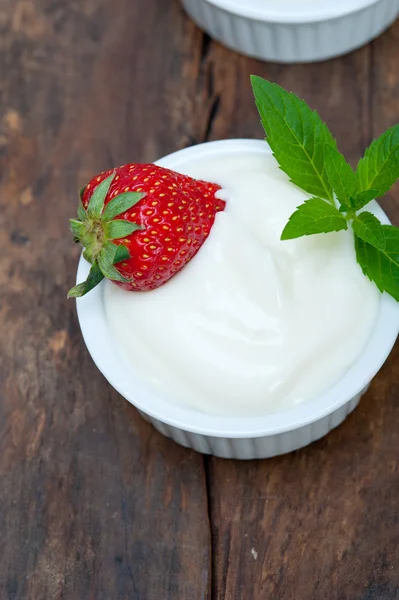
<point x="252" y="324"/>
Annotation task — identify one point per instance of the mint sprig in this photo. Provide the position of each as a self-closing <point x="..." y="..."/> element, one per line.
<point x="340" y="175"/>
<point x="381" y="266"/>
<point x="313" y="216"/>
<point x="379" y="168"/>
<point x="307" y="152"/>
<point x="369" y="229"/>
<point x="297" y="136"/>
<point x="359" y="200"/>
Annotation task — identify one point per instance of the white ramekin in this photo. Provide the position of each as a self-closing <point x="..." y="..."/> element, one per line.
<point x="291" y="31"/>
<point x="232" y="437"/>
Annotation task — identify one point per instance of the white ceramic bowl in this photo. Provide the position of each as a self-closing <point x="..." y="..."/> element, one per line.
<point x="236" y="437"/>
<point x="290" y="31"/>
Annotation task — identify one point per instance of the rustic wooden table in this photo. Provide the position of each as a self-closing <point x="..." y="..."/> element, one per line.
<point x="94" y="504"/>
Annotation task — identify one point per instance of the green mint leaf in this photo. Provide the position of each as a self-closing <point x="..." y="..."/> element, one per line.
<point x="96" y="203"/>
<point x="363" y="198"/>
<point x="379" y="168"/>
<point x="313" y="216"/>
<point x="119" y="229"/>
<point x="296" y="135"/>
<point x="359" y="200"/>
<point x="120" y="204"/>
<point x="121" y="253"/>
<point x="340" y="175"/>
<point x="94" y="278"/>
<point x="106" y="263"/>
<point x="381" y="266"/>
<point x="368" y="228"/>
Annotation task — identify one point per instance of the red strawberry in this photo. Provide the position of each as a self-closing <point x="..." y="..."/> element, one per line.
<point x="146" y="220"/>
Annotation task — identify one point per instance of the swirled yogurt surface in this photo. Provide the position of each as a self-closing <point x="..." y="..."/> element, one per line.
<point x="252" y="324"/>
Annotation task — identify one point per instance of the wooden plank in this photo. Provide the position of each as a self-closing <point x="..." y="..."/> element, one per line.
<point x="384" y="106"/>
<point x="322" y="522"/>
<point x="94" y="504"/>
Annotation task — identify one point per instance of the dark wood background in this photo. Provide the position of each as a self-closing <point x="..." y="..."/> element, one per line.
<point x="94" y="504"/>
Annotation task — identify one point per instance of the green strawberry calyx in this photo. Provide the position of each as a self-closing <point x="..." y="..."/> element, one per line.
<point x="96" y="228"/>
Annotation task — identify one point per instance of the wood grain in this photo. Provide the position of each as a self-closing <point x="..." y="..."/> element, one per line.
<point x="94" y="504"/>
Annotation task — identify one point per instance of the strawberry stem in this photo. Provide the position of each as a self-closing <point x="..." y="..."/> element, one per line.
<point x="95" y="229"/>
